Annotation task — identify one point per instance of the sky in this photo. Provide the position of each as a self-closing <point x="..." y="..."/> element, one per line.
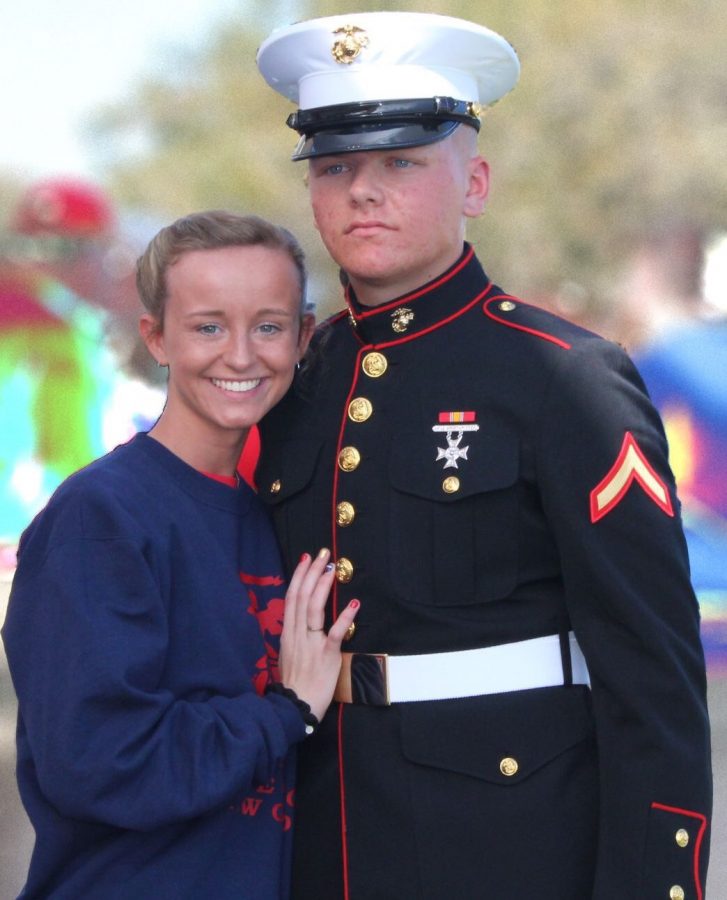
<point x="61" y="59"/>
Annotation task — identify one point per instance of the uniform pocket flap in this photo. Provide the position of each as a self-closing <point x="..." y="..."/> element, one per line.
<point x="501" y="738"/>
<point x="286" y="468"/>
<point x="484" y="460"/>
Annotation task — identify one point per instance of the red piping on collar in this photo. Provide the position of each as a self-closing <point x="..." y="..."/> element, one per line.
<point x="341" y="314"/>
<point x="418" y="293"/>
<point x="541" y="334"/>
<point x="440" y="324"/>
<point x="697" y="843"/>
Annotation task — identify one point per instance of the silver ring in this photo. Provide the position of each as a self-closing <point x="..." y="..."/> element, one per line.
<point x="308" y="628"/>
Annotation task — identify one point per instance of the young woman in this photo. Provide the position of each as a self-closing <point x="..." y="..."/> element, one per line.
<point x="158" y="699"/>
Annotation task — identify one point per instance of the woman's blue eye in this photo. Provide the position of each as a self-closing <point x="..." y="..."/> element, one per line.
<point x="269" y="328"/>
<point x="209" y="329"/>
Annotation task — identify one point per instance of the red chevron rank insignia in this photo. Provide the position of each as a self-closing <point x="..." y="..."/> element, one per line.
<point x="631" y="465"/>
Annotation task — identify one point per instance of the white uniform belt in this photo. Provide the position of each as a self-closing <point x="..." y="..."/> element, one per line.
<point x="378" y="679"/>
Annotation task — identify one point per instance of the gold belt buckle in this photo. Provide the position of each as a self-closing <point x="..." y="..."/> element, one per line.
<point x="364" y="679"/>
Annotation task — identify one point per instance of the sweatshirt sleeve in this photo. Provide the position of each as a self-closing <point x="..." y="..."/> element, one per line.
<point x="86" y="636"/>
<point x="610" y="496"/>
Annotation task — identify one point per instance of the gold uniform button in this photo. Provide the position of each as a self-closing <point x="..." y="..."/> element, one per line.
<point x="345" y="513"/>
<point x="450" y="485"/>
<point x="509" y="766"/>
<point x="275" y="486"/>
<point x="360" y="409"/>
<point x="374" y="364"/>
<point x="344" y="570"/>
<point x="682" y="837"/>
<point x="677" y="893"/>
<point x="507" y="306"/>
<point x="349" y="459"/>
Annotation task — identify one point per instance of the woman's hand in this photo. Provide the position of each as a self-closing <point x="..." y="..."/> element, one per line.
<point x="310" y="659"/>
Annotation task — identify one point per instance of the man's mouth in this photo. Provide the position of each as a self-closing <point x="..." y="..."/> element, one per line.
<point x="365" y="226"/>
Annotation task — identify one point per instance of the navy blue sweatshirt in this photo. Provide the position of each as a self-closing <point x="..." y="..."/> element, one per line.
<point x="142" y="628"/>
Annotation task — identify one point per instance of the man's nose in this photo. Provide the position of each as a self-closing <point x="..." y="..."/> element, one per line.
<point x="365" y="186"/>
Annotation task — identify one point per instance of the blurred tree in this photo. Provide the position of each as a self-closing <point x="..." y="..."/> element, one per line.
<point x="10" y="191"/>
<point x="618" y="125"/>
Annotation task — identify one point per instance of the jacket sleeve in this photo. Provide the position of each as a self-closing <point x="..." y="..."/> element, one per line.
<point x="609" y="495"/>
<point x="86" y="637"/>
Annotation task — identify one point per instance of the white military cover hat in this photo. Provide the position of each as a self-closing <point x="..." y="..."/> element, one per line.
<point x="367" y="81"/>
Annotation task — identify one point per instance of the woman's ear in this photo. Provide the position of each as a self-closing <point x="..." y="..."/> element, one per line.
<point x="307" y="327"/>
<point x="152" y="334"/>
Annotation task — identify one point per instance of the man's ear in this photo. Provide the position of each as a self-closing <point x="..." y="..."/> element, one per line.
<point x="153" y="336"/>
<point x="478" y="186"/>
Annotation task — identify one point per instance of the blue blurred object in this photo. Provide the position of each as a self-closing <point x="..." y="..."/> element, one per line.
<point x="686" y="374"/>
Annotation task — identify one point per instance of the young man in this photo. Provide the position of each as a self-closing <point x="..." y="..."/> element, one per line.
<point x="522" y="712"/>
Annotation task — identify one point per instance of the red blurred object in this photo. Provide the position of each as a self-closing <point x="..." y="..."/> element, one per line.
<point x="64" y="206"/>
<point x="20" y="309"/>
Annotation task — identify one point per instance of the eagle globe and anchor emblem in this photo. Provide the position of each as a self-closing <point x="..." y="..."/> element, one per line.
<point x="352" y="41"/>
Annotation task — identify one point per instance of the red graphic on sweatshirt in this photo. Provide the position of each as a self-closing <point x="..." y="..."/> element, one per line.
<point x="280" y="812"/>
<point x="268" y="610"/>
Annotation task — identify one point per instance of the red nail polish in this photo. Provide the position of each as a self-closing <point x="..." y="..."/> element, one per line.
<point x="354" y="604"/>
<point x="304" y="557"/>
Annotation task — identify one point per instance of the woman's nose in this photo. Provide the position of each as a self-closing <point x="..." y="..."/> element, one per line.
<point x="238" y="351"/>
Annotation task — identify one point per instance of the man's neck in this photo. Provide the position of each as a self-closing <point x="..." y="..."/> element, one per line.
<point x="373" y="292"/>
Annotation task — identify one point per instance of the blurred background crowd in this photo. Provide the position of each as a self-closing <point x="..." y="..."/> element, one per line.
<point x="608" y="205"/>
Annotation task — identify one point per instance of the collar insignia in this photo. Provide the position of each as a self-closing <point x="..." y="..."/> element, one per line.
<point x="401" y="318"/>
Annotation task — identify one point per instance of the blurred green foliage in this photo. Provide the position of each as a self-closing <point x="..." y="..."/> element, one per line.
<point x="617" y="129"/>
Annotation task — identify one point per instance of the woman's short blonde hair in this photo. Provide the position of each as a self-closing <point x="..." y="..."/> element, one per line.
<point x="209" y="230"/>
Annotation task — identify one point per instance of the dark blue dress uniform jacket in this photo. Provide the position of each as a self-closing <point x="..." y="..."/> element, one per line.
<point x="560" y="514"/>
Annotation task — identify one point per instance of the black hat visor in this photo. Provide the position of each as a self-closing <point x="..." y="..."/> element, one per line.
<point x="378" y="125"/>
